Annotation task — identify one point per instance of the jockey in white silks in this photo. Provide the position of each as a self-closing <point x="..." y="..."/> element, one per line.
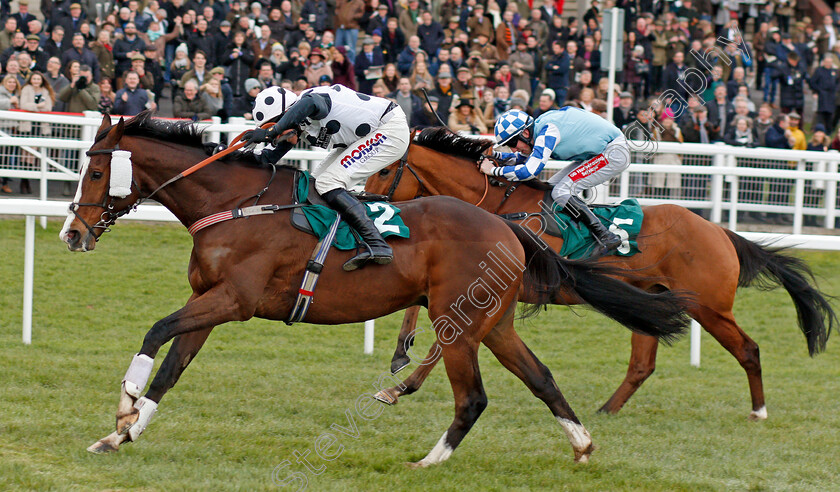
<point x="364" y="133"/>
<point x="564" y="134"/>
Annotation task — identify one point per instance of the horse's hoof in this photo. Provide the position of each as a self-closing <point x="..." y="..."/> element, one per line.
<point x="414" y="465"/>
<point x="399" y="363"/>
<point x="583" y="456"/>
<point x="758" y="415"/>
<point x="109" y="444"/>
<point x="386" y="397"/>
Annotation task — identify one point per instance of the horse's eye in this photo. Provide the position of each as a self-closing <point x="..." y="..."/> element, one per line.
<point x="94" y="175"/>
<point x="384" y="172"/>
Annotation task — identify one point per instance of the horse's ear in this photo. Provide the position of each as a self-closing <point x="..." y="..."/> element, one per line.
<point x="106" y="123"/>
<point x="119" y="128"/>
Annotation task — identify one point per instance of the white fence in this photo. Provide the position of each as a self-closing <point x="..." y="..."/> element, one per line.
<point x="715" y="178"/>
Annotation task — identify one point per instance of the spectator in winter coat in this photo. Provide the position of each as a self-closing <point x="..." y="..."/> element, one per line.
<point x="190" y="105"/>
<point x="792" y="78"/>
<point x="83" y="55"/>
<point x="343" y="70"/>
<point x="825" y="83"/>
<point x="430" y="34"/>
<point x="557" y="70"/>
<point x="131" y="99"/>
<point x="125" y="48"/>
<point x="317" y="67"/>
<point x="82" y="94"/>
<point x="238" y="59"/>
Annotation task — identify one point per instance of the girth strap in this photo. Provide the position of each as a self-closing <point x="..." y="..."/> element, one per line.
<point x="237" y="213"/>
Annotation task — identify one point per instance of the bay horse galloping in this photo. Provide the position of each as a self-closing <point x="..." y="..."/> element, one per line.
<point x="679" y="251"/>
<point x="247" y="267"/>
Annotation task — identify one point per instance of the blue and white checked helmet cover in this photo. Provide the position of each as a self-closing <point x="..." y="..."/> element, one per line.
<point x="510" y="124"/>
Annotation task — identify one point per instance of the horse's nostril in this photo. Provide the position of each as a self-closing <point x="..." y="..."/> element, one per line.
<point x="72" y="236"/>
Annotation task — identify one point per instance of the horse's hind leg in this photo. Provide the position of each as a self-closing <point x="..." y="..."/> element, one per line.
<point x="413" y="382"/>
<point x="512" y="352"/>
<point x="726" y="331"/>
<point x="401" y="359"/>
<point x="642" y="364"/>
<point x="461" y="360"/>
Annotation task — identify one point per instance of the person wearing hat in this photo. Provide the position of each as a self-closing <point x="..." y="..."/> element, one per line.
<point x="364" y="134"/>
<point x="625" y="112"/>
<point x="465" y="118"/>
<point x="443" y="90"/>
<point x="218" y="74"/>
<point x="451" y="32"/>
<point x="426" y="117"/>
<point x="478" y="23"/>
<point x="22" y="16"/>
<point x="371" y="56"/>
<point x="243" y="105"/>
<point x="409" y="18"/>
<point x="598" y="148"/>
<point x="138" y="66"/>
<point x="463" y="81"/>
<point x="317" y="67"/>
<point x="378" y="19"/>
<point x="38" y="55"/>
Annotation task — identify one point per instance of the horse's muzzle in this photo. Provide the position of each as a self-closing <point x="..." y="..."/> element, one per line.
<point x="77" y="242"/>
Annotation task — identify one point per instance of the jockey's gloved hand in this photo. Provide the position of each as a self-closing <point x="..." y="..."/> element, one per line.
<point x="260" y="135"/>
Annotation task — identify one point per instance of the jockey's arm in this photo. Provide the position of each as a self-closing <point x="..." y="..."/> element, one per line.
<point x="272" y="155"/>
<point x="544" y="144"/>
<point x="313" y="106"/>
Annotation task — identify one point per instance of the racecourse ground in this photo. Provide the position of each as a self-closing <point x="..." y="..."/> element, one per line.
<point x="259" y="391"/>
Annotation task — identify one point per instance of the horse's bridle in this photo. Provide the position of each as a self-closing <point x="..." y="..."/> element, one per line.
<point x="403" y="165"/>
<point x="109" y="216"/>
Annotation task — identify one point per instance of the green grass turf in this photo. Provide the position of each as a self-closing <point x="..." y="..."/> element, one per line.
<point x="260" y="390"/>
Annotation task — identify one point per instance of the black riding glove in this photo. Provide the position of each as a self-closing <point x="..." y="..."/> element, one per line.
<point x="260" y="135"/>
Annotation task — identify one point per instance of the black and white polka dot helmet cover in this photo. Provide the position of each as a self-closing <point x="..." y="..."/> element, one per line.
<point x="272" y="102"/>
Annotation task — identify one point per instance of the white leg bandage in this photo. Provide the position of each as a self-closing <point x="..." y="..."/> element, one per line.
<point x="138" y="374"/>
<point x="147" y="410"/>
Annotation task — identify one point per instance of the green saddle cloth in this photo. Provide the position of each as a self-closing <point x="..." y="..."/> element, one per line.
<point x="624" y="219"/>
<point x="385" y="216"/>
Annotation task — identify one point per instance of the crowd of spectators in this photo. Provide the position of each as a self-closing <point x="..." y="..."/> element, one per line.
<point x="475" y="59"/>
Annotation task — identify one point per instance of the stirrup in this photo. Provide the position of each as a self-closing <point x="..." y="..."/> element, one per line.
<point x="365" y="257"/>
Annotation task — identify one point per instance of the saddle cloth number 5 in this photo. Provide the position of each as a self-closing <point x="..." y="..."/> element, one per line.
<point x="625" y="237"/>
<point x="387" y="214"/>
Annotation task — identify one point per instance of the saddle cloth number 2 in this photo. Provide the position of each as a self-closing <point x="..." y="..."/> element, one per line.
<point x="386" y="215"/>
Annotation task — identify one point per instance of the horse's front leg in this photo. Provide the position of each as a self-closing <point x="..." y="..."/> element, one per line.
<point x="192" y="324"/>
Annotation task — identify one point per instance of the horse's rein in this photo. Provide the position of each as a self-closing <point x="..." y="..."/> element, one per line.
<point x="112" y="216"/>
<point x="486" y="178"/>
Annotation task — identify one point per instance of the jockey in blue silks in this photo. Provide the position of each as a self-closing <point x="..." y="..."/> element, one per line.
<point x="565" y="134"/>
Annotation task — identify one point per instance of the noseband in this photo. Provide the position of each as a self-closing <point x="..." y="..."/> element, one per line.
<point x="109" y="216"/>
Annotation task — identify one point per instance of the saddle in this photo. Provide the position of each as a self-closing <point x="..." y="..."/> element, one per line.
<point x="299" y="220"/>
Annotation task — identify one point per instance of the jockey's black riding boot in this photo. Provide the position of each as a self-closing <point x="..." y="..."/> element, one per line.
<point x="352" y="211"/>
<point x="608" y="241"/>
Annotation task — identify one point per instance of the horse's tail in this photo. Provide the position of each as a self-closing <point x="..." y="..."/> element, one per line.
<point x="766" y="268"/>
<point x="548" y="275"/>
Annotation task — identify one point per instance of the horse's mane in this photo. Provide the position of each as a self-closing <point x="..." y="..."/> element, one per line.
<point x="182" y="132"/>
<point x="443" y="140"/>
